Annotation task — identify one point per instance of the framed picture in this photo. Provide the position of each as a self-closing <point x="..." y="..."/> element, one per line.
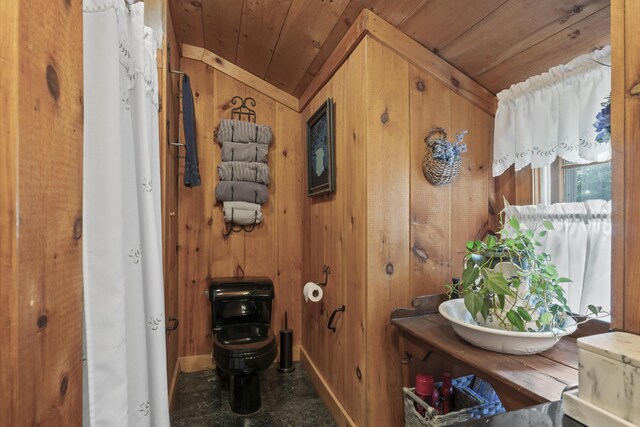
<point x="321" y="175"/>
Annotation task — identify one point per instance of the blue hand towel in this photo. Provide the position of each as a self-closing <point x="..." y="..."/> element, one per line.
<point x="191" y="172"/>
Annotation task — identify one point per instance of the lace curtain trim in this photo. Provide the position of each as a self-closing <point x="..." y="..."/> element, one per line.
<point x="552" y="115"/>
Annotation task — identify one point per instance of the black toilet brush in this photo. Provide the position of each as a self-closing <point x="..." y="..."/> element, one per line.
<point x="286" y="347"/>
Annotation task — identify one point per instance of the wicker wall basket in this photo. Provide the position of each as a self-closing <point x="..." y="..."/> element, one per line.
<point x="438" y="172"/>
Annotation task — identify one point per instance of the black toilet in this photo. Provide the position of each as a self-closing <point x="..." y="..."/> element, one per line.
<point x="243" y="342"/>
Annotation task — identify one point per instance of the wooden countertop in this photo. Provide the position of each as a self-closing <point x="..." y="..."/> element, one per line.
<point x="539" y="378"/>
<point x="520" y="381"/>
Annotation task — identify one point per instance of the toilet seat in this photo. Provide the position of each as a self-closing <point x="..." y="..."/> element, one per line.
<point x="244" y="348"/>
<point x="244" y="340"/>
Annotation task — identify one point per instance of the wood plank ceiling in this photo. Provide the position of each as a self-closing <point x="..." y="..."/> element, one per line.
<point x="496" y="42"/>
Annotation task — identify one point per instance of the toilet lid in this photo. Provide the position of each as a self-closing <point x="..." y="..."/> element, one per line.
<point x="246" y="340"/>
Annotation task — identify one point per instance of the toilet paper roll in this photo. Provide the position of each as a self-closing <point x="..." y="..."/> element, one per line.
<point x="312" y="292"/>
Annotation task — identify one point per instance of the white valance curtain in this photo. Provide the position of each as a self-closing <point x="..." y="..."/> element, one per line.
<point x="126" y="382"/>
<point x="552" y="115"/>
<point x="580" y="247"/>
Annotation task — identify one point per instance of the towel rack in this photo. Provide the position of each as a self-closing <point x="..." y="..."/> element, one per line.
<point x="243" y="111"/>
<point x="178" y="144"/>
<point x="239" y="113"/>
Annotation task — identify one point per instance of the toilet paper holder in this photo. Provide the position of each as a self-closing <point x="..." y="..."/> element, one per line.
<point x="326" y="270"/>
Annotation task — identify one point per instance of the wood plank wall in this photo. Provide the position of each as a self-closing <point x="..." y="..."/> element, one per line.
<point x="334" y="234"/>
<point x="169" y="59"/>
<point x="625" y="126"/>
<point x="273" y="249"/>
<point x="387" y="233"/>
<point x="41" y="127"/>
<point x="388" y="213"/>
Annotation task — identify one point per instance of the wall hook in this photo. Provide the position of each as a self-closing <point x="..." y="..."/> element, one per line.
<point x="326" y="270"/>
<point x="330" y="325"/>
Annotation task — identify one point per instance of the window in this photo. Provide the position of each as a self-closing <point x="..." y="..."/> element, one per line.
<point x="564" y="181"/>
<point x="586" y="182"/>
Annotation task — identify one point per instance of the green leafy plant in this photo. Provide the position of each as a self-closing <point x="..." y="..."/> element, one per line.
<point x="508" y="284"/>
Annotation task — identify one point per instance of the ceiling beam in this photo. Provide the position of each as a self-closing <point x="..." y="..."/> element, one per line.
<point x="232" y="70"/>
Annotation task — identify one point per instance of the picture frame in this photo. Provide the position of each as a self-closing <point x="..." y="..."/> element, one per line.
<point x="321" y="178"/>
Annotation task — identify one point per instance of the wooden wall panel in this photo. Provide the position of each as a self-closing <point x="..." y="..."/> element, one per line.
<point x="580" y="38"/>
<point x="393" y="12"/>
<point x="470" y="192"/>
<point x="524" y="187"/>
<point x="426" y="24"/>
<point x="196" y="226"/>
<point x="10" y="279"/>
<point x="430" y="257"/>
<point x="626" y="158"/>
<point x="388" y="275"/>
<point x="188" y="17"/>
<point x="323" y="247"/>
<point x="287" y="42"/>
<point x="632" y="167"/>
<point x="221" y="27"/>
<point x="521" y="25"/>
<point x="334" y="233"/>
<point x="41" y="213"/>
<point x="261" y="23"/>
<point x="289" y="167"/>
<point x="308" y="24"/>
<point x="169" y="59"/>
<point x="260" y="244"/>
<point x="274" y="248"/>
<point x="618" y="160"/>
<point x="226" y="254"/>
<point x="379" y="156"/>
<point x="353" y="135"/>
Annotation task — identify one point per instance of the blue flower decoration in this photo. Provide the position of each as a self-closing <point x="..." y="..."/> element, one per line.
<point x="449" y="152"/>
<point x="603" y="122"/>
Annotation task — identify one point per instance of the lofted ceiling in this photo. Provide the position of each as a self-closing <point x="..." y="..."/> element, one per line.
<point x="496" y="42"/>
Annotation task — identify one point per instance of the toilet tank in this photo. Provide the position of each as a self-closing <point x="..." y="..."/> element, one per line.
<point x="236" y="301"/>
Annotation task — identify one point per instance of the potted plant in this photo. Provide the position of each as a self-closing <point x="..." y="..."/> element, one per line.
<point x="507" y="284"/>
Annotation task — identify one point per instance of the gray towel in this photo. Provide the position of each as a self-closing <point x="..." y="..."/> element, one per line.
<point x="191" y="173"/>
<point x="244" y="171"/>
<point x="242" y="213"/>
<point x="240" y="131"/>
<point x="231" y="191"/>
<point x="239" y="152"/>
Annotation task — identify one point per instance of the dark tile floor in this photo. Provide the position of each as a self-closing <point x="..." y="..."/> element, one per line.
<point x="288" y="400"/>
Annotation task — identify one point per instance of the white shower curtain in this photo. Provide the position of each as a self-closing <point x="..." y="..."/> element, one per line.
<point x="579" y="245"/>
<point x="126" y="383"/>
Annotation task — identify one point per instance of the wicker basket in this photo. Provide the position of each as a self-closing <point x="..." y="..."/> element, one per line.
<point x="438" y="172"/>
<point x="467" y="404"/>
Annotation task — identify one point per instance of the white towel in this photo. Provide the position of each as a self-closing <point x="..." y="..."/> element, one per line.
<point x="242" y="213"/>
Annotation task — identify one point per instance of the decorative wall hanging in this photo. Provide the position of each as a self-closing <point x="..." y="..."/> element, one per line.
<point x="441" y="162"/>
<point x="244" y="174"/>
<point x="321" y="176"/>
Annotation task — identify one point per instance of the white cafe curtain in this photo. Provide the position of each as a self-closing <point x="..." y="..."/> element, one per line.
<point x="126" y="383"/>
<point x="579" y="246"/>
<point x="552" y="115"/>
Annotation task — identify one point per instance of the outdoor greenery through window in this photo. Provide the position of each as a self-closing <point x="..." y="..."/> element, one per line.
<point x="586" y="182"/>
<point x="564" y="181"/>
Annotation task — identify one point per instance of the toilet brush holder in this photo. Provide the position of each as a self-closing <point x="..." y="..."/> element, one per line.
<point x="286" y="348"/>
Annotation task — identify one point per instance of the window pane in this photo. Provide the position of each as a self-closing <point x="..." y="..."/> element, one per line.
<point x="587" y="182"/>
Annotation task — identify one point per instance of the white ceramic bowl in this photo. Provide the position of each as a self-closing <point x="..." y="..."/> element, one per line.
<point x="511" y="342"/>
